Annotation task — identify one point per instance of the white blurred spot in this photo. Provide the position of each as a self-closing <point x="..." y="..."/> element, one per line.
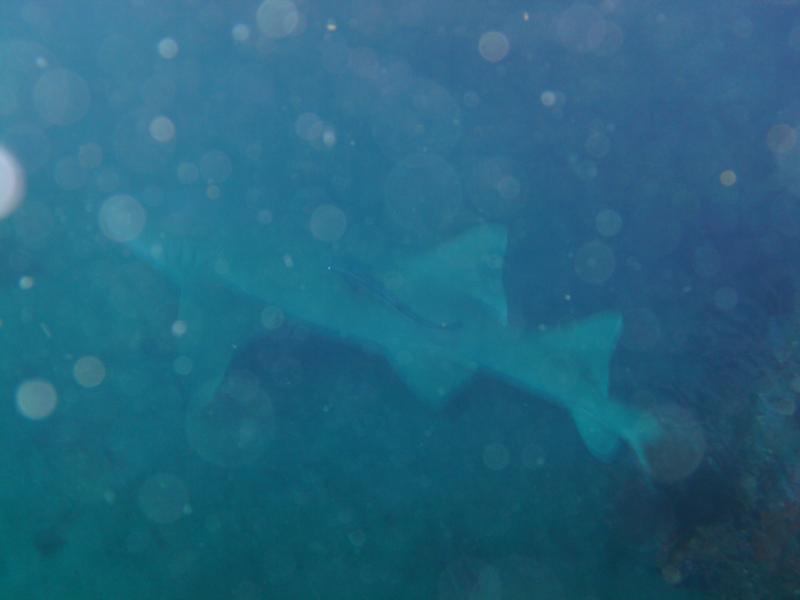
<point x="328" y="223"/>
<point x="493" y="46"/>
<point x="179" y="328"/>
<point x="89" y="371"/>
<point x="236" y="426"/>
<point x="357" y="537"/>
<point x="329" y="137"/>
<point x="265" y="216"/>
<point x="272" y="317"/>
<point x="608" y="222"/>
<point x="26" y="282"/>
<point x="642" y="329"/>
<point x="706" y="261"/>
<point x="61" y="97"/>
<point x="90" y="156"/>
<point x="68" y="173"/>
<point x="548" y="98"/>
<point x="509" y="187"/>
<point x="215" y="166"/>
<point x="240" y="33"/>
<point x="726" y="298"/>
<point x="36" y="399"/>
<point x="727" y="178"/>
<point x="277" y="18"/>
<point x="164" y="498"/>
<point x="493" y="187"/>
<point x="188" y="173"/>
<point x="183" y="365"/>
<point x="162" y="129"/>
<point x="595" y="262"/>
<point x="168" y="48"/>
<point x="423" y="194"/>
<point x="308" y="126"/>
<point x="122" y="218"/>
<point x="781" y="138"/>
<point x="598" y="144"/>
<point x="495" y="456"/>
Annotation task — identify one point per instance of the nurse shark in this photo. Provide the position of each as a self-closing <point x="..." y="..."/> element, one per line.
<point x="437" y="317"/>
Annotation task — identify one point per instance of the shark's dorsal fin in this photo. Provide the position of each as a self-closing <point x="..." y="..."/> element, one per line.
<point x="469" y="266"/>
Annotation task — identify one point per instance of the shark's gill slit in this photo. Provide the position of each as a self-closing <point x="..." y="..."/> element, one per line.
<point x="363" y="282"/>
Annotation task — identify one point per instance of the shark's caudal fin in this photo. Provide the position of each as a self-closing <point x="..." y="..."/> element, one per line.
<point x="571" y="366"/>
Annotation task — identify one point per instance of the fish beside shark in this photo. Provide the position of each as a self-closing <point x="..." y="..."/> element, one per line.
<point x="437" y="317"/>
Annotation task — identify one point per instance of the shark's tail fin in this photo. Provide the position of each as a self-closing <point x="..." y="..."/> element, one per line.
<point x="570" y="365"/>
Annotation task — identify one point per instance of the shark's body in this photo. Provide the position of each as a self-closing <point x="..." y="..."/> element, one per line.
<point x="437" y="317"/>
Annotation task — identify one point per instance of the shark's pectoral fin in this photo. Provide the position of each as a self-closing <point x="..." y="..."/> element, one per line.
<point x="466" y="268"/>
<point x="430" y="376"/>
<point x="601" y="441"/>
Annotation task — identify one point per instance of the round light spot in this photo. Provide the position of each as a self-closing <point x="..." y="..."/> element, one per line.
<point x="36" y="399"/>
<point x="89" y="371"/>
<point x="493" y="46"/>
<point x="164" y="498"/>
<point x="608" y="222"/>
<point x="727" y="178"/>
<point x="508" y="187"/>
<point x="726" y="298"/>
<point x="215" y="166"/>
<point x="179" y="328"/>
<point x="776" y="398"/>
<point x="642" y="330"/>
<point x="328" y="223"/>
<point x="188" y="173"/>
<point x="469" y="578"/>
<point x="68" y="173"/>
<point x="595" y="263"/>
<point x="122" y="218"/>
<point x="277" y="18"/>
<point x="183" y="365"/>
<point x="781" y="138"/>
<point x="162" y="129"/>
<point x="26" y="282"/>
<point x="309" y="126"/>
<point x="548" y="99"/>
<point x="416" y="116"/>
<point x="12" y="183"/>
<point x="90" y="156"/>
<point x="168" y="48"/>
<point x="61" y="97"/>
<point x="493" y="187"/>
<point x="240" y="33"/>
<point x="329" y="137"/>
<point x="533" y="456"/>
<point x="680" y="446"/>
<point x="423" y="194"/>
<point x="272" y="318"/>
<point x="234" y="426"/>
<point x="495" y="456"/>
<point x="598" y="144"/>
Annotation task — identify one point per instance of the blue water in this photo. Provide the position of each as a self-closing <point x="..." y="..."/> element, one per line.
<point x="642" y="158"/>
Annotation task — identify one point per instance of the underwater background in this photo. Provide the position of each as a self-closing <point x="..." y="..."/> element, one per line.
<point x="643" y="158"/>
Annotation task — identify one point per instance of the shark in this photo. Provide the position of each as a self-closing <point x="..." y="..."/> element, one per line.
<point x="437" y="316"/>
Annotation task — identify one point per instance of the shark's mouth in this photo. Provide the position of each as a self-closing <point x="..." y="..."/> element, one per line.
<point x="362" y="282"/>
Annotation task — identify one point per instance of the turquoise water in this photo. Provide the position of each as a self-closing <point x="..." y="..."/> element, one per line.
<point x="300" y="300"/>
